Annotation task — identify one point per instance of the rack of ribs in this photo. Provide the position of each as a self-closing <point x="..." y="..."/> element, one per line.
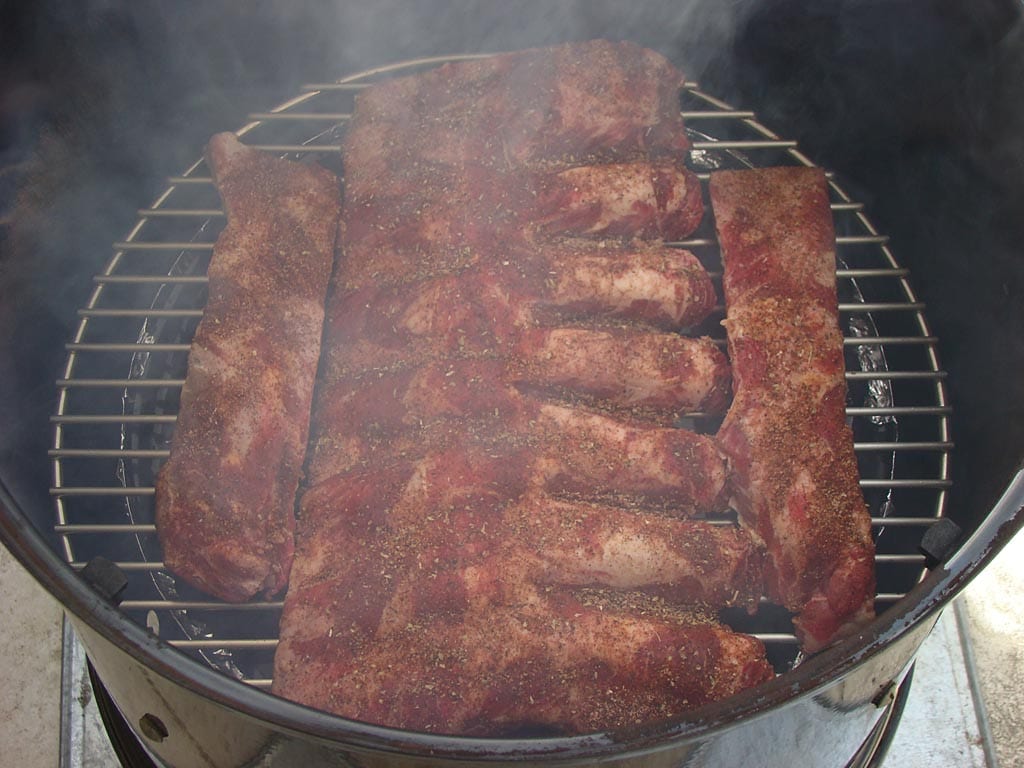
<point x="502" y="529"/>
<point x="792" y="467"/>
<point x="595" y="102"/>
<point x="225" y="499"/>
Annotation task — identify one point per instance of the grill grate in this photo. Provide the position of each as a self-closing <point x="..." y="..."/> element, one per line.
<point x="125" y="365"/>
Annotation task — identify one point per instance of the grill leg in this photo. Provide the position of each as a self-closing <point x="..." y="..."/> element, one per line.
<point x="874" y="749"/>
<point x="127" y="747"/>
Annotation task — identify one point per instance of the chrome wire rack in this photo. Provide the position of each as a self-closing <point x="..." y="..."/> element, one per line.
<point x="127" y="361"/>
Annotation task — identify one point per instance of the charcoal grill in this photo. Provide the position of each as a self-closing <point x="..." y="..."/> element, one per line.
<point x="126" y="362"/>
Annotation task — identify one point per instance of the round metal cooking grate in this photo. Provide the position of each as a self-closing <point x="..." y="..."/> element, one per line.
<point x="126" y="363"/>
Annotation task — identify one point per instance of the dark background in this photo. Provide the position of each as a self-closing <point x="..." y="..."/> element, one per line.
<point x="919" y="106"/>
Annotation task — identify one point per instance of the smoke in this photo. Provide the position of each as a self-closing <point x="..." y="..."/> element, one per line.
<point x="343" y="37"/>
<point x="917" y="102"/>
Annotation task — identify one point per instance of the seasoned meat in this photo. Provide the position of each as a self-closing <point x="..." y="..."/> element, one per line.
<point x="596" y="454"/>
<point x="792" y="466"/>
<point x="518" y="663"/>
<point x="517" y="306"/>
<point x="365" y="421"/>
<point x="450" y="222"/>
<point x="655" y="284"/>
<point x="514" y="610"/>
<point x="577" y="103"/>
<point x="584" y="138"/>
<point x="629" y="368"/>
<point x="225" y="499"/>
<point x="591" y="544"/>
<point x="497" y="530"/>
<point x="630" y="199"/>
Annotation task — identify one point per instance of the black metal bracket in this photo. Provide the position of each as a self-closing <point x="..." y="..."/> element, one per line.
<point x="938" y="541"/>
<point x="106" y="578"/>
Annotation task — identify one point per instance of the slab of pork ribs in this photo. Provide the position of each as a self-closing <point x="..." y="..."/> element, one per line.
<point x="225" y="499"/>
<point x="793" y="471"/>
<point x="496" y="534"/>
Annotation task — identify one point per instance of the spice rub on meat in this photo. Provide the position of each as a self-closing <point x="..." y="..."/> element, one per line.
<point x="579" y="104"/>
<point x="225" y="498"/>
<point x="496" y="531"/>
<point x="450" y="576"/>
<point x="793" y="471"/>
